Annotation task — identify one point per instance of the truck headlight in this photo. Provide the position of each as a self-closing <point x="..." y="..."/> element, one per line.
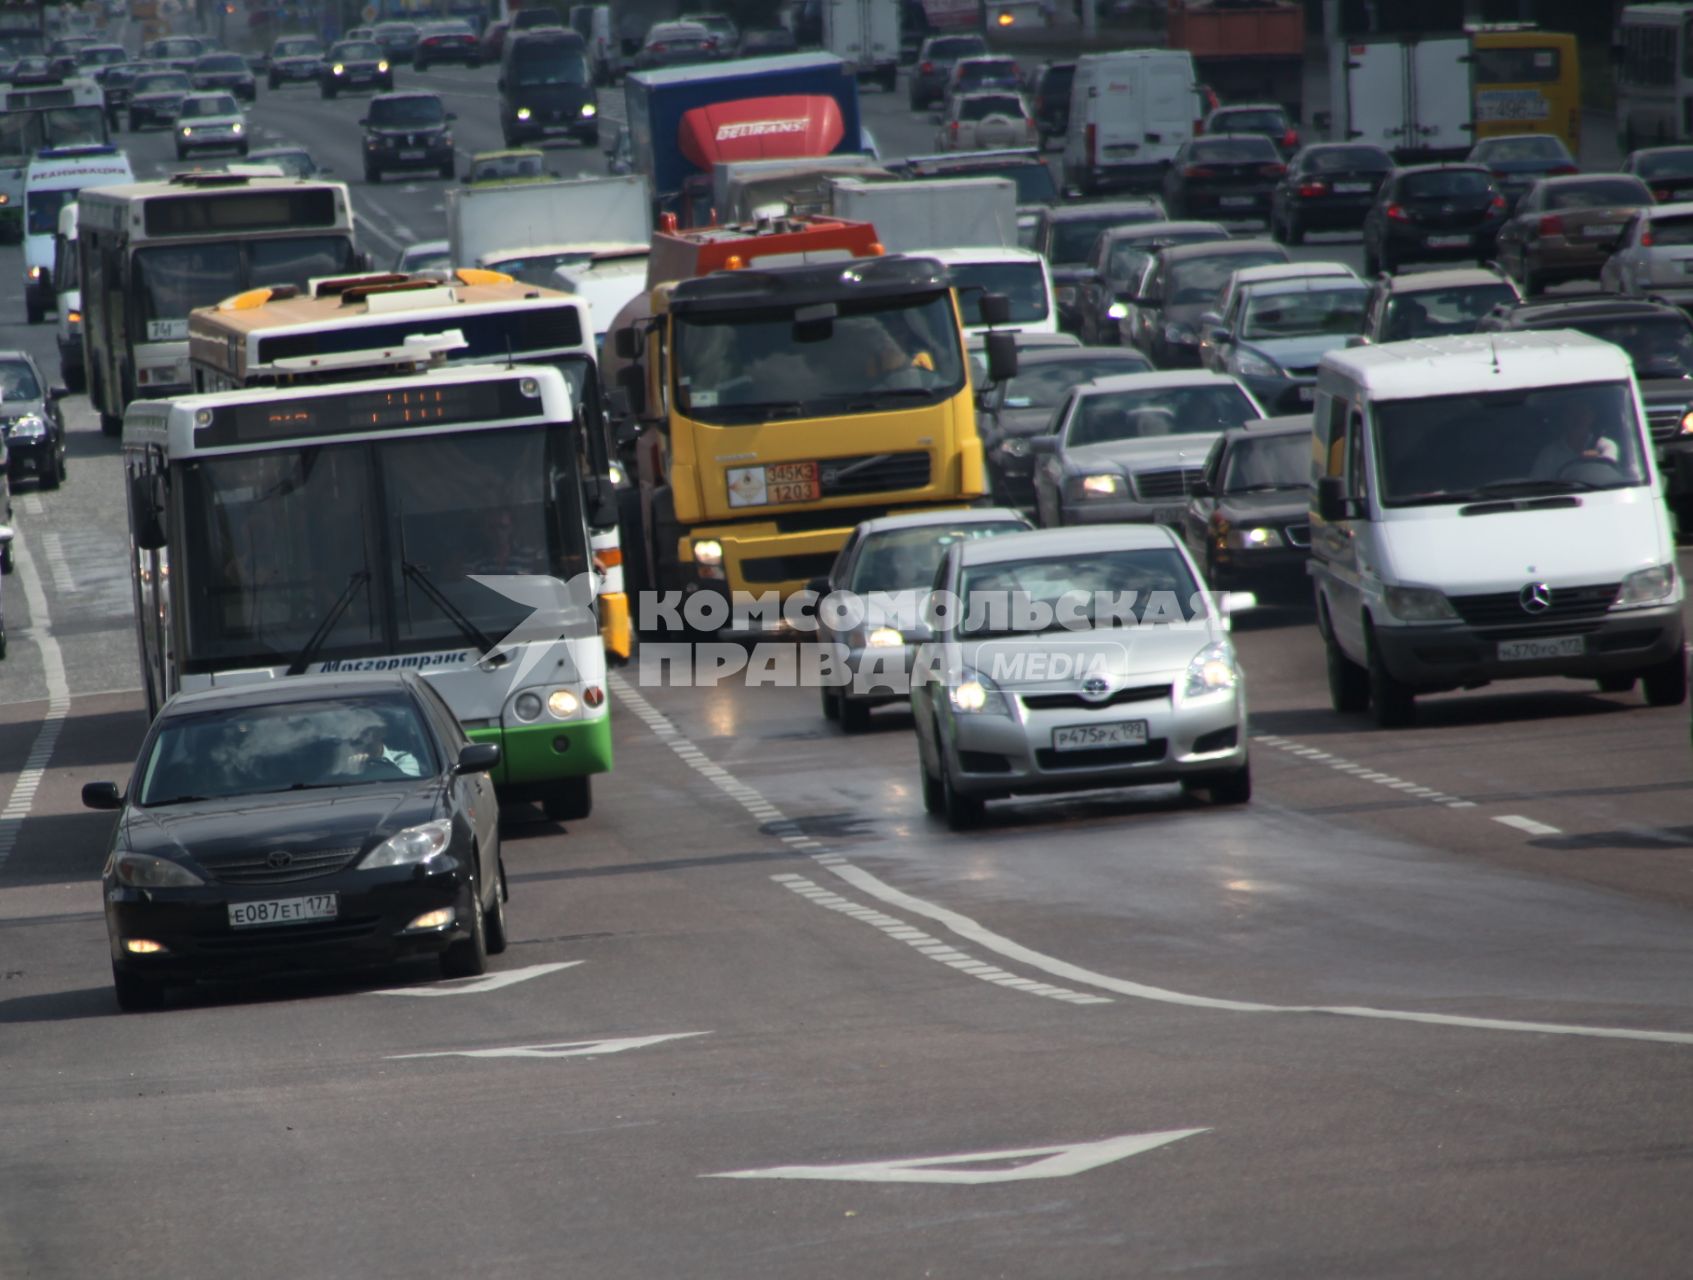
<point x="1419" y="604"/>
<point x="1646" y="586"/>
<point x="708" y="551"/>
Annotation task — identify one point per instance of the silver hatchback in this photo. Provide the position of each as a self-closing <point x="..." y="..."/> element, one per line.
<point x="1077" y="659"/>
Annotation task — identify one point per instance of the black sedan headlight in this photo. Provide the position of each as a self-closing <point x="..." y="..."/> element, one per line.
<point x="145" y="871"/>
<point x="411" y="846"/>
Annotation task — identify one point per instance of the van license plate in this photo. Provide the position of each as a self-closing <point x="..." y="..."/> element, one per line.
<point x="1237" y="202"/>
<point x="318" y="906"/>
<point x="1551" y="647"/>
<point x="1447" y="242"/>
<point x="1088" y="737"/>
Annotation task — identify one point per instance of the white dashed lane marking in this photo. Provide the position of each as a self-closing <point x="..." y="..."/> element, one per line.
<point x="1529" y="825"/>
<point x="22" y="798"/>
<point x="1362" y="772"/>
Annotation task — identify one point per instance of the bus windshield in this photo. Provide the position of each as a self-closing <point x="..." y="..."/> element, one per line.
<point x="397" y="527"/>
<point x="172" y="280"/>
<point x="759" y="365"/>
<point x="23" y="133"/>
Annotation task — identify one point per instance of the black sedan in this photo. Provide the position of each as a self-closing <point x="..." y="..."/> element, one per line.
<point x="1433" y="213"/>
<point x="355" y="64"/>
<point x="319" y="822"/>
<point x="452" y="40"/>
<point x="294" y="58"/>
<point x="1327" y="187"/>
<point x="155" y="97"/>
<point x="1248" y="517"/>
<point x="226" y="71"/>
<point x="1667" y="170"/>
<point x="1224" y="177"/>
<point x="1105" y="293"/>
<point x="1022" y="407"/>
<point x="1519" y="160"/>
<point x="398" y="40"/>
<point x="407" y="131"/>
<point x="33" y="423"/>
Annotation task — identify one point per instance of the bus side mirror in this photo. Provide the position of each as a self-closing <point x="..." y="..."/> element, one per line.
<point x="602" y="503"/>
<point x="627" y="343"/>
<point x="146" y="514"/>
<point x="633" y="385"/>
<point x="994" y="308"/>
<point x="1001" y="350"/>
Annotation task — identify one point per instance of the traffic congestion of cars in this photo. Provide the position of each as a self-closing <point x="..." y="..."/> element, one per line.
<point x="1167" y="403"/>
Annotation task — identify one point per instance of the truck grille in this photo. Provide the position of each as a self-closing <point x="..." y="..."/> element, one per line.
<point x="256" y="868"/>
<point x="1568" y="604"/>
<point x="1153" y="486"/>
<point x="873" y="473"/>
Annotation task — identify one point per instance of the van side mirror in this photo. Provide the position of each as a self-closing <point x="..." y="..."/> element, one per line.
<point x="1332" y="503"/>
<point x="1001" y="351"/>
<point x="994" y="308"/>
<point x="633" y="384"/>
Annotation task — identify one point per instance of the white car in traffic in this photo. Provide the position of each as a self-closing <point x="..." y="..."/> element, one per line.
<point x="210" y="122"/>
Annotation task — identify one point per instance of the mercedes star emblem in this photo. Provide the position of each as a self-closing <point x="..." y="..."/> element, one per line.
<point x="1536" y="597"/>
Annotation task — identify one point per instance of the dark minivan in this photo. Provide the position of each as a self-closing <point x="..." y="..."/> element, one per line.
<point x="547" y="88"/>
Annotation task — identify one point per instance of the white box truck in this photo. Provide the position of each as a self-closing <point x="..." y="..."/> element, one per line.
<point x="864" y="34"/>
<point x="1414" y="97"/>
<point x="919" y="215"/>
<point x="487" y="218"/>
<point x="1129" y="112"/>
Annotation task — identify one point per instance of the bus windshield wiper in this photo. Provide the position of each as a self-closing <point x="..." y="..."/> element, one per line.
<point x="455" y="615"/>
<point x="309" y="653"/>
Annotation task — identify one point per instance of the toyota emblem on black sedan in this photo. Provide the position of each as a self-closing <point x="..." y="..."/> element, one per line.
<point x="1536" y="597"/>
<point x="279" y="859"/>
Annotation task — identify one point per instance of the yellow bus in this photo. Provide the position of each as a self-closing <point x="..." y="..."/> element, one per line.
<point x="1527" y="81"/>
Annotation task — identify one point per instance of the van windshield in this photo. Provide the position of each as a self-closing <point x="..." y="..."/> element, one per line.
<point x="1506" y="444"/>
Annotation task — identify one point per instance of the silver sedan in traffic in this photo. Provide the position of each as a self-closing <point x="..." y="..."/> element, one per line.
<point x="1076" y="659"/>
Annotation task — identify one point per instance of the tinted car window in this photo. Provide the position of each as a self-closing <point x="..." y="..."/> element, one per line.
<point x="1659" y="346"/>
<point x="1433" y="314"/>
<point x="1668" y="164"/>
<point x="1109" y="416"/>
<point x="407" y="111"/>
<point x="1042" y="386"/>
<point x="1445" y="182"/>
<point x="1251" y="120"/>
<point x="956" y="47"/>
<point x="981" y="108"/>
<point x="906" y="559"/>
<point x="18" y="382"/>
<point x="1529" y="147"/>
<point x="1148" y="586"/>
<point x="1597" y="193"/>
<point x="1198" y="279"/>
<point x="358" y="49"/>
<point x="1336" y="159"/>
<point x="1242" y="150"/>
<point x="1268" y="462"/>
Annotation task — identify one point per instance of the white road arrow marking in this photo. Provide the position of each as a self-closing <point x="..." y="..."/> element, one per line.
<point x="568" y="1049"/>
<point x="1058" y="1162"/>
<point x="475" y="986"/>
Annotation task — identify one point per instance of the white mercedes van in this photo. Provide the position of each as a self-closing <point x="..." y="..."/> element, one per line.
<point x="1129" y="112"/>
<point x="1488" y="507"/>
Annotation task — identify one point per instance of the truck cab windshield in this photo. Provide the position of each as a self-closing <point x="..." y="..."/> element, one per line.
<point x="757" y="365"/>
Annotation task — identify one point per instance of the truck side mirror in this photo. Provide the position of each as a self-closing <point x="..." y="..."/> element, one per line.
<point x="994" y="308"/>
<point x="633" y="385"/>
<point x="1002" y="356"/>
<point x="626" y="342"/>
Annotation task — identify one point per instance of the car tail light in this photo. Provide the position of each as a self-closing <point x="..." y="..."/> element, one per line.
<point x="1198" y="128"/>
<point x="1030" y="124"/>
<point x="927" y="68"/>
<point x="658" y="48"/>
<point x="1551" y="225"/>
<point x="710" y="45"/>
<point x="1272" y="170"/>
<point x="1309" y="189"/>
<point x="1092" y="138"/>
<point x="1290" y="139"/>
<point x="1397" y="213"/>
<point x="1198" y="171"/>
<point x="1565" y="168"/>
<point x="1645" y="239"/>
<point x="1496" y="205"/>
<point x="1662" y="193"/>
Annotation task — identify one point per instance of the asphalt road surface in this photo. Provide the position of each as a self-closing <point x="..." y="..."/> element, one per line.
<point x="1422" y="1009"/>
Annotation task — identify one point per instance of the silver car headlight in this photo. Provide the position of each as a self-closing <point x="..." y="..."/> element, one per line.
<point x="413" y="845"/>
<point x="1646" y="586"/>
<point x="1213" y="670"/>
<point x="144" y="871"/>
<point x="976" y="695"/>
<point x="1253" y="365"/>
<point x="31" y="426"/>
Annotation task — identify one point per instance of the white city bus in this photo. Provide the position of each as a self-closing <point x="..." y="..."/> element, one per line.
<point x="347" y="328"/>
<point x="153" y="251"/>
<point x="357" y="526"/>
<point x="63" y="113"/>
<point x="1654" y="75"/>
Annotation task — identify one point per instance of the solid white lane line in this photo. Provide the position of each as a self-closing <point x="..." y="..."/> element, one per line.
<point x="28" y="781"/>
<point x="1526" y="824"/>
